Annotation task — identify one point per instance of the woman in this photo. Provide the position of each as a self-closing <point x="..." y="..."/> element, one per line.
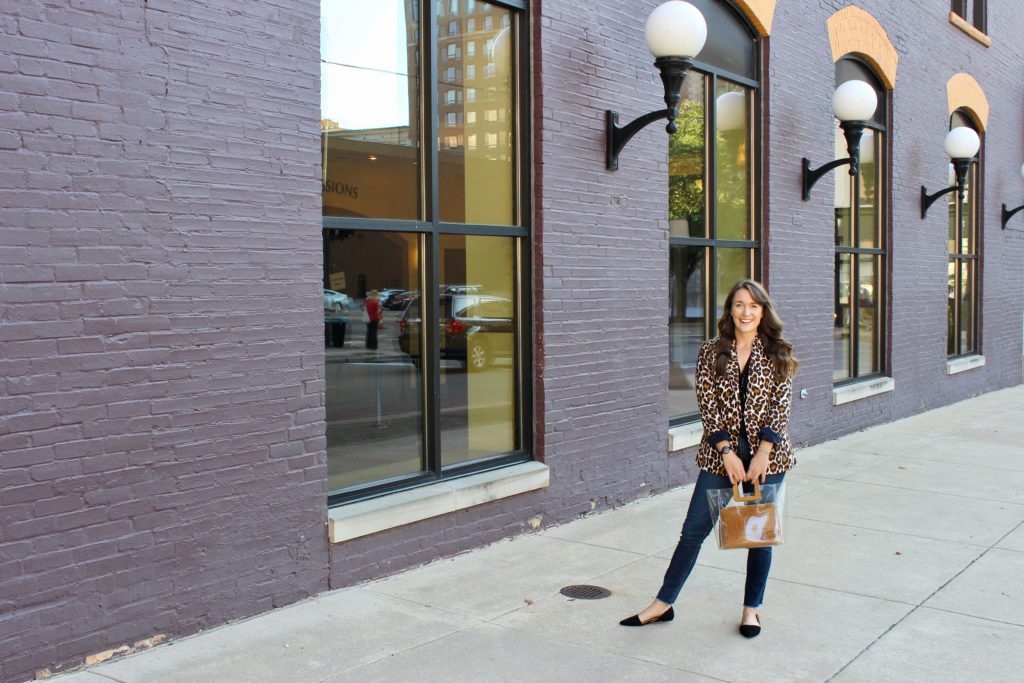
<point x="374" y="315"/>
<point x="744" y="391"/>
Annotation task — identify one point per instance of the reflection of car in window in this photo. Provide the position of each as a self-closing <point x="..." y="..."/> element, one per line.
<point x="400" y="300"/>
<point x="336" y="302"/>
<point x="385" y="295"/>
<point x="474" y="329"/>
<point x="460" y="289"/>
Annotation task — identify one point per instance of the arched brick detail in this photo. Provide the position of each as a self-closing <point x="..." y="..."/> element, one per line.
<point x="962" y="91"/>
<point x="851" y="30"/>
<point x="759" y="13"/>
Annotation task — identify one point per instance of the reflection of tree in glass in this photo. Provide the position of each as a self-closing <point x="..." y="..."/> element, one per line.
<point x="686" y="167"/>
<point x="686" y="184"/>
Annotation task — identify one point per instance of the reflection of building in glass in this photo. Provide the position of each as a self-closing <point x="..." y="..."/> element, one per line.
<point x="475" y="71"/>
<point x="474" y="119"/>
<point x="382" y="136"/>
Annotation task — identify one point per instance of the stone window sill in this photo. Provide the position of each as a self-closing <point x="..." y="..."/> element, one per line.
<point x="684" y="436"/>
<point x="955" y="365"/>
<point x="861" y="390"/>
<point x="378" y="514"/>
<point x="969" y="29"/>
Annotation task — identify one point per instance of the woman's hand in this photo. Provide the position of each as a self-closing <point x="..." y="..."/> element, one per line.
<point x="758" y="470"/>
<point x="734" y="468"/>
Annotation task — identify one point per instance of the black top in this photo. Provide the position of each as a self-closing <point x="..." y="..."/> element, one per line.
<point x="741" y="438"/>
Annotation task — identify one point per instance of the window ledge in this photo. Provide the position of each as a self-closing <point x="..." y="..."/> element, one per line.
<point x="378" y="514"/>
<point x="684" y="436"/>
<point x="855" y="392"/>
<point x="969" y="29"/>
<point x="955" y="365"/>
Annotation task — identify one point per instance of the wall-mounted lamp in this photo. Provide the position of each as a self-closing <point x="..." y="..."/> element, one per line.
<point x="853" y="103"/>
<point x="675" y="32"/>
<point x="961" y="144"/>
<point x="1008" y="214"/>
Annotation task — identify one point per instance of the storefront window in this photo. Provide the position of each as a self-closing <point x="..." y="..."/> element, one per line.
<point x="427" y="240"/>
<point x="962" y="336"/>
<point x="861" y="251"/>
<point x="713" y="207"/>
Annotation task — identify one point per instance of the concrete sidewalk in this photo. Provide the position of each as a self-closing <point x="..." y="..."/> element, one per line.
<point x="904" y="561"/>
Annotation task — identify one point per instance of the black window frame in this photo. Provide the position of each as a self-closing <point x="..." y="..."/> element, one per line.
<point x="756" y="60"/>
<point x="431" y="228"/>
<point x="855" y="67"/>
<point x="954" y="348"/>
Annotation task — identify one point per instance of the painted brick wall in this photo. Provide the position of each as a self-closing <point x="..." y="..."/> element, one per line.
<point x="800" y="234"/>
<point x="162" y="461"/>
<point x="605" y="262"/>
<point x="161" y="417"/>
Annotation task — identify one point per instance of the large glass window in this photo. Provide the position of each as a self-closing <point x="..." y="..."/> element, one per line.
<point x="713" y="201"/>
<point x="962" y="333"/>
<point x="424" y="240"/>
<point x="860" y="237"/>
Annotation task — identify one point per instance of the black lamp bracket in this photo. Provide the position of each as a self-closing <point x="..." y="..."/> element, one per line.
<point x="1008" y="214"/>
<point x="851" y="131"/>
<point x="673" y="71"/>
<point x="960" y="168"/>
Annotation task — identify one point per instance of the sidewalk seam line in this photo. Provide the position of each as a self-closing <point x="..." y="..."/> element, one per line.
<point x="921" y="604"/>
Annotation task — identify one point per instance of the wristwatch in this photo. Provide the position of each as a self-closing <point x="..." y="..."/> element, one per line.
<point x="727" y="449"/>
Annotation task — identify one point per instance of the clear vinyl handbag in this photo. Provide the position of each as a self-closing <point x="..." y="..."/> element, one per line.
<point x="748" y="521"/>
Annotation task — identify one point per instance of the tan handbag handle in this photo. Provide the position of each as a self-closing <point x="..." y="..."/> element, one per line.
<point x="756" y="495"/>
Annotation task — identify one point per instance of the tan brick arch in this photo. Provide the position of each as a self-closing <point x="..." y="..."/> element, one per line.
<point x="851" y="30"/>
<point x="963" y="92"/>
<point x="759" y="13"/>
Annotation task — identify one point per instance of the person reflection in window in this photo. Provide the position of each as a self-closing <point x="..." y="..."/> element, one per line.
<point x="375" y="315"/>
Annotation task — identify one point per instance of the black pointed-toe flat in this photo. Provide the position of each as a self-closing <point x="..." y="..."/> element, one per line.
<point x="751" y="630"/>
<point x="667" y="615"/>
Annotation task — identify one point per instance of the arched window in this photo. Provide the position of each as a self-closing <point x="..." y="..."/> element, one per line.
<point x="962" y="337"/>
<point x="860" y="237"/>
<point x="714" y="197"/>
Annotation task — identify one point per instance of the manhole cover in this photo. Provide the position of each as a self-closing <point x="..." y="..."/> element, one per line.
<point x="585" y="592"/>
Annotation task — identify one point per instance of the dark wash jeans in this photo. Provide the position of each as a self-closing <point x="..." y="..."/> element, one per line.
<point x="696" y="527"/>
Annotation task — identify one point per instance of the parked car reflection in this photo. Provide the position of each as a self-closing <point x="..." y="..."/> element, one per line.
<point x="400" y="300"/>
<point x="386" y="294"/>
<point x="474" y="329"/>
<point x="336" y="302"/>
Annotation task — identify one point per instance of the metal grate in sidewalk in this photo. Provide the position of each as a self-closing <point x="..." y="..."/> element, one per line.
<point x="585" y="592"/>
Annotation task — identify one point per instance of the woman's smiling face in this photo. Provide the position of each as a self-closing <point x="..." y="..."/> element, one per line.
<point x="746" y="312"/>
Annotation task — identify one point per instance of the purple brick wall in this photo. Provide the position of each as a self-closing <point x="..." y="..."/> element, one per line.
<point x="162" y="442"/>
<point x="162" y="462"/>
<point x="800" y="242"/>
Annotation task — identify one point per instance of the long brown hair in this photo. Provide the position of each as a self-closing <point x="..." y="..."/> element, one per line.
<point x="776" y="347"/>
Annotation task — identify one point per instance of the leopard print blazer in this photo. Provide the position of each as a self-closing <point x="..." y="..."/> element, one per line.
<point x="766" y="413"/>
